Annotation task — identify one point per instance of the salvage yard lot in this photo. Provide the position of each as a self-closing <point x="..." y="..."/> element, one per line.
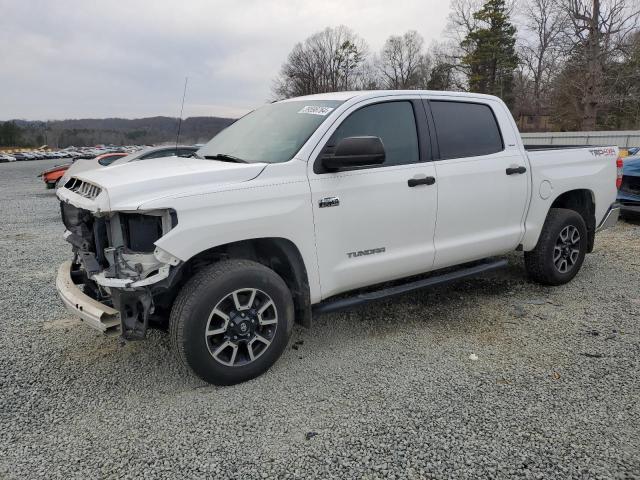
<point x="381" y="391"/>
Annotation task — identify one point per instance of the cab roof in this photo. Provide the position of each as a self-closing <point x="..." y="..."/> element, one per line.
<point x="365" y="94"/>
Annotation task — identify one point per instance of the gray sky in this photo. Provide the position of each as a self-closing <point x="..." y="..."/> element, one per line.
<point x="128" y="58"/>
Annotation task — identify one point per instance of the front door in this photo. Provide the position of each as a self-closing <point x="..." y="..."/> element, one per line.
<point x="374" y="224"/>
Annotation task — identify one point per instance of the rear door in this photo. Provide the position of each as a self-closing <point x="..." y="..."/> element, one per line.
<point x="483" y="182"/>
<point x="375" y="224"/>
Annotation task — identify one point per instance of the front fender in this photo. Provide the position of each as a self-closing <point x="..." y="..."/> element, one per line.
<point x="269" y="206"/>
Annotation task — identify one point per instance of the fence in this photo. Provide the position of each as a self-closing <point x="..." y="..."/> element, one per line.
<point x="622" y="139"/>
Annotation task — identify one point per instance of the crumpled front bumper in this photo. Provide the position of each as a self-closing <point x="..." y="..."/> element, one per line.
<point x="95" y="314"/>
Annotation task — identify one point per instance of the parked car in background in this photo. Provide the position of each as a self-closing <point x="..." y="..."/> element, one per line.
<point x="51" y="177"/>
<point x="629" y="193"/>
<point x="83" y="165"/>
<point x="7" y="158"/>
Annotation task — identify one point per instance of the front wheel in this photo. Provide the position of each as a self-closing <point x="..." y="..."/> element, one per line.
<point x="561" y="248"/>
<point x="232" y="321"/>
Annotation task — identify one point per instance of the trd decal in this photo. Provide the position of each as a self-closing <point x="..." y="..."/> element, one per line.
<point x="597" y="152"/>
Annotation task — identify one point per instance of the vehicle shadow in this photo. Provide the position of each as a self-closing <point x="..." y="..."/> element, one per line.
<point x="444" y="311"/>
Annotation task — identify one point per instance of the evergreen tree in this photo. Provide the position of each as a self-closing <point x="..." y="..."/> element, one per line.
<point x="492" y="57"/>
<point x="440" y="78"/>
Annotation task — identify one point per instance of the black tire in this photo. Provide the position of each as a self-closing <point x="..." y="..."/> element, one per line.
<point x="50" y="185"/>
<point x="193" y="307"/>
<point x="540" y="263"/>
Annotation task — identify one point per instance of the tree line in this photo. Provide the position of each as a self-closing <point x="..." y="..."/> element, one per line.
<point x="558" y="64"/>
<point x="10" y="134"/>
<point x="116" y="131"/>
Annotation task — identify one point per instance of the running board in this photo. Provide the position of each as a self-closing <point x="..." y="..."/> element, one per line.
<point x="362" y="298"/>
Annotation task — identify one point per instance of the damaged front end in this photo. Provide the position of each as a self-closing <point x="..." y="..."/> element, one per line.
<point x="117" y="264"/>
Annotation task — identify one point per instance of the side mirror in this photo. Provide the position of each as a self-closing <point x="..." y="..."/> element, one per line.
<point x="355" y="152"/>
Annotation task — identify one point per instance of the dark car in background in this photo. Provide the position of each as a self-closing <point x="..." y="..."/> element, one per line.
<point x="629" y="192"/>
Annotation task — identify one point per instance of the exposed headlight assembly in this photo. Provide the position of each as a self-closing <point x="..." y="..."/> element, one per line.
<point x="141" y="230"/>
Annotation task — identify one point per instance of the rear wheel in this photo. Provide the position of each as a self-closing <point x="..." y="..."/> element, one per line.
<point x="232" y="321"/>
<point x="561" y="248"/>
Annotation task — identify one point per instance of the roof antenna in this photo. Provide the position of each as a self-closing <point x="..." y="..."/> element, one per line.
<point x="184" y="94"/>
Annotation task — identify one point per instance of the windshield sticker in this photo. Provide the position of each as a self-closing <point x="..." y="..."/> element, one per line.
<point x="315" y="110"/>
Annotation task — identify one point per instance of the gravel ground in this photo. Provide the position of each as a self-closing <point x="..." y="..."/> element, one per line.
<point x="392" y="390"/>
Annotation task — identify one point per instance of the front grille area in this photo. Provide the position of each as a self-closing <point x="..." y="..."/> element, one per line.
<point x="630" y="185"/>
<point x="85" y="189"/>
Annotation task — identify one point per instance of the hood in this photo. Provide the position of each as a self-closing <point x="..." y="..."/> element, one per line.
<point x="129" y="185"/>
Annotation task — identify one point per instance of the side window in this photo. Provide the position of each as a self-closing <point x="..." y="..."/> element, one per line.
<point x="465" y="129"/>
<point x="393" y="122"/>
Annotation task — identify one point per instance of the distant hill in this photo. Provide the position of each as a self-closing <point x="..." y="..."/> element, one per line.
<point x="119" y="131"/>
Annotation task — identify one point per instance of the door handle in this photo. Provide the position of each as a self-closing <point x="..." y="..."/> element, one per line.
<point x="513" y="170"/>
<point x="412" y="182"/>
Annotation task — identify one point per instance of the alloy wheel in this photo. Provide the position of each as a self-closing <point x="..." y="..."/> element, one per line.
<point x="567" y="249"/>
<point x="241" y="327"/>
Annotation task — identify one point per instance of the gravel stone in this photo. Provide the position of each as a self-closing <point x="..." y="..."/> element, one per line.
<point x="387" y="389"/>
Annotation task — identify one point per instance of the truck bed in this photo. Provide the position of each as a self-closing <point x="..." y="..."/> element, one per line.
<point x="563" y="168"/>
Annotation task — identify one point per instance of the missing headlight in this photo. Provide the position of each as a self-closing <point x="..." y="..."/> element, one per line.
<point x="140" y="231"/>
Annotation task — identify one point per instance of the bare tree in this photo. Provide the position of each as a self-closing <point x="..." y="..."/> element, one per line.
<point x="327" y="61"/>
<point x="446" y="72"/>
<point x="402" y="63"/>
<point x="598" y="29"/>
<point x="461" y="20"/>
<point x="541" y="46"/>
<point x="460" y="23"/>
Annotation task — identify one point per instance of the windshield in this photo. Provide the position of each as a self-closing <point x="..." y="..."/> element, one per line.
<point x="271" y="134"/>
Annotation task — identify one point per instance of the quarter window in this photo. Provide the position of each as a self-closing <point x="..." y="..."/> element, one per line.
<point x="393" y="122"/>
<point x="465" y="129"/>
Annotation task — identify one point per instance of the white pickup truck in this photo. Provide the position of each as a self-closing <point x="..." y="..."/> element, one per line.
<point x="298" y="206"/>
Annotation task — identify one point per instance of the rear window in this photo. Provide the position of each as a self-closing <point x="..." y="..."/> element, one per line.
<point x="465" y="129"/>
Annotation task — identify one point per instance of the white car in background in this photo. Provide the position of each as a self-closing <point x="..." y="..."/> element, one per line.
<point x="7" y="158"/>
<point x="84" y="165"/>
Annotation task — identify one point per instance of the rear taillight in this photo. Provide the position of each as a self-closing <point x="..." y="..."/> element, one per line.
<point x="619" y="165"/>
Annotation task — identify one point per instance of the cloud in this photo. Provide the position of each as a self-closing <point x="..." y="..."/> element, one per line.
<point x="98" y="58"/>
